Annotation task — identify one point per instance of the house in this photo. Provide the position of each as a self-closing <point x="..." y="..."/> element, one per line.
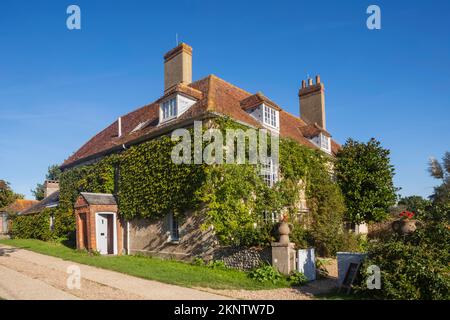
<point x="16" y="207"/>
<point x="99" y="224"/>
<point x="51" y="199"/>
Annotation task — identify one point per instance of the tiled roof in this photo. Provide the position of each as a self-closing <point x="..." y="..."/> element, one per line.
<point x="50" y="201"/>
<point x="213" y="95"/>
<point x="19" y="205"/>
<point x="99" y="198"/>
<point x="313" y="130"/>
<point x="256" y="100"/>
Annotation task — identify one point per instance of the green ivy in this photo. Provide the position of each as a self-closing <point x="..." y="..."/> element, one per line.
<point x="37" y="226"/>
<point x="151" y="185"/>
<point x="233" y="198"/>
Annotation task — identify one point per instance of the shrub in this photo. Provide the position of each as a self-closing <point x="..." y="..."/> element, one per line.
<point x="265" y="273"/>
<point x="409" y="272"/>
<point x="197" y="261"/>
<point x="64" y="223"/>
<point x="413" y="267"/>
<point x="297" y="279"/>
<point x="36" y="226"/>
<point x="216" y="264"/>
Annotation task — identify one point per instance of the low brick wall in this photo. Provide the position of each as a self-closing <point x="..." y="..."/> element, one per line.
<point x="243" y="258"/>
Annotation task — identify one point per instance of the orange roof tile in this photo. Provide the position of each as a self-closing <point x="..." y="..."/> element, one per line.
<point x="213" y="95"/>
<point x="19" y="205"/>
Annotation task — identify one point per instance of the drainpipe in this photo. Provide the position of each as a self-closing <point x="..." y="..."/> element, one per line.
<point x="128" y="238"/>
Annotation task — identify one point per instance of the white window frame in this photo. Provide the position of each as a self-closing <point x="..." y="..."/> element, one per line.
<point x="271" y="217"/>
<point x="325" y="142"/>
<point x="169" y="109"/>
<point x="174" y="229"/>
<point x="270" y="116"/>
<point x="269" y="173"/>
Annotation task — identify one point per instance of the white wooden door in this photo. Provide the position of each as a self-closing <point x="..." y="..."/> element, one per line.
<point x="102" y="233"/>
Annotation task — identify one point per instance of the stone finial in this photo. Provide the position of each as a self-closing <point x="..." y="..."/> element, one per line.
<point x="284" y="232"/>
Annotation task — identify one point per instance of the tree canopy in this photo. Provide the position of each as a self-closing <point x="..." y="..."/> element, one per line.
<point x="441" y="171"/>
<point x="365" y="175"/>
<point x="7" y="195"/>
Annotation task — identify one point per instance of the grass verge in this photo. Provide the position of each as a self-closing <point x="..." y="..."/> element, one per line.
<point x="168" y="271"/>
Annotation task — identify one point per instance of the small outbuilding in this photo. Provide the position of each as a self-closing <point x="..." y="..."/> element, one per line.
<point x="98" y="225"/>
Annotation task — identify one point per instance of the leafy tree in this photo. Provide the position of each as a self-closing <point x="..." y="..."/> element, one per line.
<point x="7" y="195"/>
<point x="365" y="175"/>
<point x="53" y="173"/>
<point x="441" y="171"/>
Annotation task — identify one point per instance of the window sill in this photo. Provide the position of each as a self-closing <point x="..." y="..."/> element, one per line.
<point x="174" y="242"/>
<point x="272" y="128"/>
<point x="168" y="119"/>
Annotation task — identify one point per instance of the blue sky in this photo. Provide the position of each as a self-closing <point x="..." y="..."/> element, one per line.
<point x="58" y="88"/>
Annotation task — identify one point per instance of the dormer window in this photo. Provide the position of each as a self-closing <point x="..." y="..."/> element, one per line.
<point x="323" y="142"/>
<point x="169" y="109"/>
<point x="174" y="106"/>
<point x="263" y="110"/>
<point x="270" y="116"/>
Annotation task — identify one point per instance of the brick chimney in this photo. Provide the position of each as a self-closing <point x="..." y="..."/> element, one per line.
<point x="312" y="102"/>
<point x="50" y="186"/>
<point x="178" y="66"/>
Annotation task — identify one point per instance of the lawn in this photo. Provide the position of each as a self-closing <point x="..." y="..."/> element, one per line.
<point x="168" y="271"/>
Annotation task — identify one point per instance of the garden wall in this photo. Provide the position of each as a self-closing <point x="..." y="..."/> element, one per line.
<point x="243" y="258"/>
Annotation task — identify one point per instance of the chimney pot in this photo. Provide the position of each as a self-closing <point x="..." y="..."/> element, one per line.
<point x="317" y="79"/>
<point x="310" y="82"/>
<point x="303" y="84"/>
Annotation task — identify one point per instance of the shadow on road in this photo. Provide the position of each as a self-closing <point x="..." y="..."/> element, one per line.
<point x="4" y="252"/>
<point x="318" y="287"/>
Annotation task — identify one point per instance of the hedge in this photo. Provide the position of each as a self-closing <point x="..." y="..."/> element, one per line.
<point x="37" y="226"/>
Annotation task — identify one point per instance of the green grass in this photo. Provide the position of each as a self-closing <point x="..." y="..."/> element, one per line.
<point x="168" y="271"/>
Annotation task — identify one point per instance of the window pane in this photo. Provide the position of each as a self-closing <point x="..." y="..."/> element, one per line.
<point x="169" y="108"/>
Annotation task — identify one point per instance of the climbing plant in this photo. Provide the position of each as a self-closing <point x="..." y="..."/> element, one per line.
<point x="232" y="197"/>
<point x="37" y="226"/>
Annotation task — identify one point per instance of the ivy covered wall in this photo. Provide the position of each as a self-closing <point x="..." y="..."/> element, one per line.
<point x="233" y="197"/>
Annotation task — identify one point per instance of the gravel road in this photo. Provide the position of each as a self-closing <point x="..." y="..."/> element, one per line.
<point x="25" y="275"/>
